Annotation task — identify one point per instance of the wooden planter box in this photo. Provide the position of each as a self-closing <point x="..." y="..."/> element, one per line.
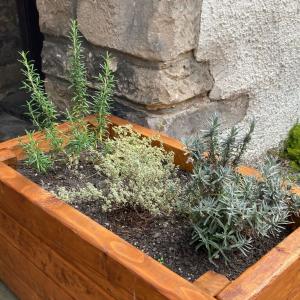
<point x="49" y="250"/>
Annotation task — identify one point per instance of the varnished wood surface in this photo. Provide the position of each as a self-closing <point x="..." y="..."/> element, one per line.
<point x="41" y="285"/>
<point x="276" y="276"/>
<point x="212" y="282"/>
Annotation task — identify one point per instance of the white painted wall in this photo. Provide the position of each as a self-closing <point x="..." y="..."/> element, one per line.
<point x="253" y="47"/>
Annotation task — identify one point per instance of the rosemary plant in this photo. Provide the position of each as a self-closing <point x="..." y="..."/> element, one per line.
<point x="36" y="158"/>
<point x="81" y="139"/>
<point x="41" y="109"/>
<point x="44" y="115"/>
<point x="103" y="97"/>
<point x="78" y="78"/>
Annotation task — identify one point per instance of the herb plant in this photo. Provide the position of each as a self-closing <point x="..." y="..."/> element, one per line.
<point x="292" y="147"/>
<point x="36" y="158"/>
<point x="44" y="114"/>
<point x="138" y="175"/>
<point x="228" y="210"/>
<point x="103" y="97"/>
<point x="41" y="109"/>
<point x="78" y="78"/>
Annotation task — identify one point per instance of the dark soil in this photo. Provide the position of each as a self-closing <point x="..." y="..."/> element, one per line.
<point x="167" y="239"/>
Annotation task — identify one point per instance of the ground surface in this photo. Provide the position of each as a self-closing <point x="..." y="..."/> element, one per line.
<point x="5" y="293"/>
<point x="167" y="239"/>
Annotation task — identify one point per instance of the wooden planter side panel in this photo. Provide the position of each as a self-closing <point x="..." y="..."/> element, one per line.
<point x="63" y="248"/>
<point x="276" y="276"/>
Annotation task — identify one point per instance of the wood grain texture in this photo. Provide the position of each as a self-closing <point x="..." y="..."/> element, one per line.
<point x="8" y="157"/>
<point x="16" y="284"/>
<point x="276" y="276"/>
<point x="90" y="248"/>
<point x="212" y="282"/>
<point x="13" y="259"/>
<point x="49" y="262"/>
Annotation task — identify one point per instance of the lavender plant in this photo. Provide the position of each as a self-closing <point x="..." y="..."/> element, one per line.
<point x="228" y="210"/>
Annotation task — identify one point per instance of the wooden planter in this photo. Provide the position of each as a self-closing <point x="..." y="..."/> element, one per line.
<point x="49" y="250"/>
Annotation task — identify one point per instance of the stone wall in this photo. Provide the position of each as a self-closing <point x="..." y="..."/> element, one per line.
<point x="160" y="83"/>
<point x="177" y="62"/>
<point x="10" y="42"/>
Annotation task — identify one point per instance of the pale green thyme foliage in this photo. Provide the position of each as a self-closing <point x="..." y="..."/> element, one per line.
<point x="139" y="175"/>
<point x="41" y="109"/>
<point x="80" y="104"/>
<point x="87" y="193"/>
<point x="103" y="97"/>
<point x="36" y="158"/>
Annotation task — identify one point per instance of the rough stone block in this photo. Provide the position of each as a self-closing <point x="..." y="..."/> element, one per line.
<point x="155" y="85"/>
<point x="59" y="92"/>
<point x="9" y="50"/>
<point x="11" y="127"/>
<point x="10" y="74"/>
<point x="151" y="29"/>
<point x="183" y="120"/>
<point x="186" y="119"/>
<point x="8" y="19"/>
<point x="55" y="16"/>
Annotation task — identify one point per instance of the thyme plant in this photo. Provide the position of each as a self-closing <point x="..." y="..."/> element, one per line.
<point x="228" y="210"/>
<point x="138" y="175"/>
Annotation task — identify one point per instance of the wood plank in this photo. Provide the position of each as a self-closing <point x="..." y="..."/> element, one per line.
<point x="12" y="259"/>
<point x="17" y="285"/>
<point x="51" y="264"/>
<point x="212" y="282"/>
<point x="276" y="276"/>
<point x="8" y="157"/>
<point x="87" y="245"/>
